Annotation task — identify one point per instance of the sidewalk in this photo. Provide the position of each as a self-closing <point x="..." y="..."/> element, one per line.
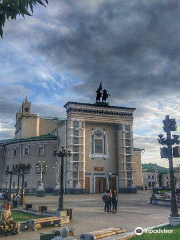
<point x="88" y="213"/>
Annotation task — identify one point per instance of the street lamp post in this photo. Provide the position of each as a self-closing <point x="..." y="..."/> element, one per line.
<point x="170" y="125"/>
<point x="10" y="173"/>
<point x="62" y="153"/>
<point x="41" y="167"/>
<point x="21" y="169"/>
<point x="156" y="171"/>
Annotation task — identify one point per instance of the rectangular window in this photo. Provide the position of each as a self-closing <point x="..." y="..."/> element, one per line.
<point x="76" y="132"/>
<point x="152" y="177"/>
<point x="128" y="158"/>
<point x="75" y="182"/>
<point x="14" y="184"/>
<point x="128" y="151"/>
<point x="98" y="146"/>
<point x="128" y="143"/>
<point x="149" y="177"/>
<point x="128" y="135"/>
<point x="129" y="174"/>
<point x="75" y="124"/>
<point x="15" y="152"/>
<point x="120" y="127"/>
<point x="76" y="148"/>
<point x="128" y="167"/>
<point x="41" y="151"/>
<point x="7" y="169"/>
<point x="75" y="140"/>
<point x="14" y="169"/>
<point x="26" y="151"/>
<point x="75" y="157"/>
<point x="104" y="139"/>
<point x="25" y="184"/>
<point x="127" y="128"/>
<point x="149" y="184"/>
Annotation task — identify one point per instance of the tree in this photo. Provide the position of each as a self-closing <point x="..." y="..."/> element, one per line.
<point x="10" y="9"/>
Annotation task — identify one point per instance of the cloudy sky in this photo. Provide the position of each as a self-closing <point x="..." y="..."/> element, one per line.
<point x="63" y="51"/>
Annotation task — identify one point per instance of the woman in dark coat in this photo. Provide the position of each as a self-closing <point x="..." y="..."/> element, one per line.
<point x="114" y="200"/>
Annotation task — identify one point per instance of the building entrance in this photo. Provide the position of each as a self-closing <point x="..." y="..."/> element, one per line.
<point x="100" y="185"/>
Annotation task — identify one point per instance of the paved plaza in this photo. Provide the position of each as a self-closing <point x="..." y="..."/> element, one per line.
<point x="88" y="213"/>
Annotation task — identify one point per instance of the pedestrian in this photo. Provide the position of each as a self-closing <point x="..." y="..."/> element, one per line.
<point x="145" y="188"/>
<point x="110" y="200"/>
<point x="106" y="198"/>
<point x="114" y="200"/>
<point x="142" y="188"/>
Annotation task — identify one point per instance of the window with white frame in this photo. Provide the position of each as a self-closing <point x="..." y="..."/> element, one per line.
<point x="76" y="132"/>
<point x="41" y="150"/>
<point x="128" y="143"/>
<point x="75" y="157"/>
<point x="99" y="144"/>
<point x="75" y="124"/>
<point x="128" y="135"/>
<point x="127" y="127"/>
<point x="128" y="150"/>
<point x="76" y="148"/>
<point x="75" y="140"/>
<point x="26" y="151"/>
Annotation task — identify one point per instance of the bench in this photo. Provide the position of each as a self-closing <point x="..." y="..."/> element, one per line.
<point x="34" y="224"/>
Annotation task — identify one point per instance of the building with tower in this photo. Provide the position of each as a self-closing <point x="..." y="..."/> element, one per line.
<point x="99" y="136"/>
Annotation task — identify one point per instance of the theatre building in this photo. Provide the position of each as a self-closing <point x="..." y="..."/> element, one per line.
<point x="99" y="136"/>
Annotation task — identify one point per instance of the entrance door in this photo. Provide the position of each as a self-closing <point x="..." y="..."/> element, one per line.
<point x="100" y="184"/>
<point x="113" y="183"/>
<point x="87" y="184"/>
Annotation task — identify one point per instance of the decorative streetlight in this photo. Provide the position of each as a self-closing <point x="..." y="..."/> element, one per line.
<point x="62" y="154"/>
<point x="155" y="170"/>
<point x="21" y="169"/>
<point x="166" y="152"/>
<point x="41" y="168"/>
<point x="10" y="173"/>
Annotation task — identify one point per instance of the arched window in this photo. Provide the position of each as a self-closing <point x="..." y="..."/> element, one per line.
<point x="99" y="145"/>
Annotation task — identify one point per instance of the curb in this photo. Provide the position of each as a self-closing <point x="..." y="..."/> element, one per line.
<point x="129" y="235"/>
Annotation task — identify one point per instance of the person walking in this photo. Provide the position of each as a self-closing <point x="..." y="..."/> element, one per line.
<point x="106" y="199"/>
<point x="114" y="200"/>
<point x="110" y="200"/>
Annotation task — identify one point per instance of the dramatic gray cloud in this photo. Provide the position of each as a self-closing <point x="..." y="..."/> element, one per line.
<point x="132" y="46"/>
<point x="64" y="51"/>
